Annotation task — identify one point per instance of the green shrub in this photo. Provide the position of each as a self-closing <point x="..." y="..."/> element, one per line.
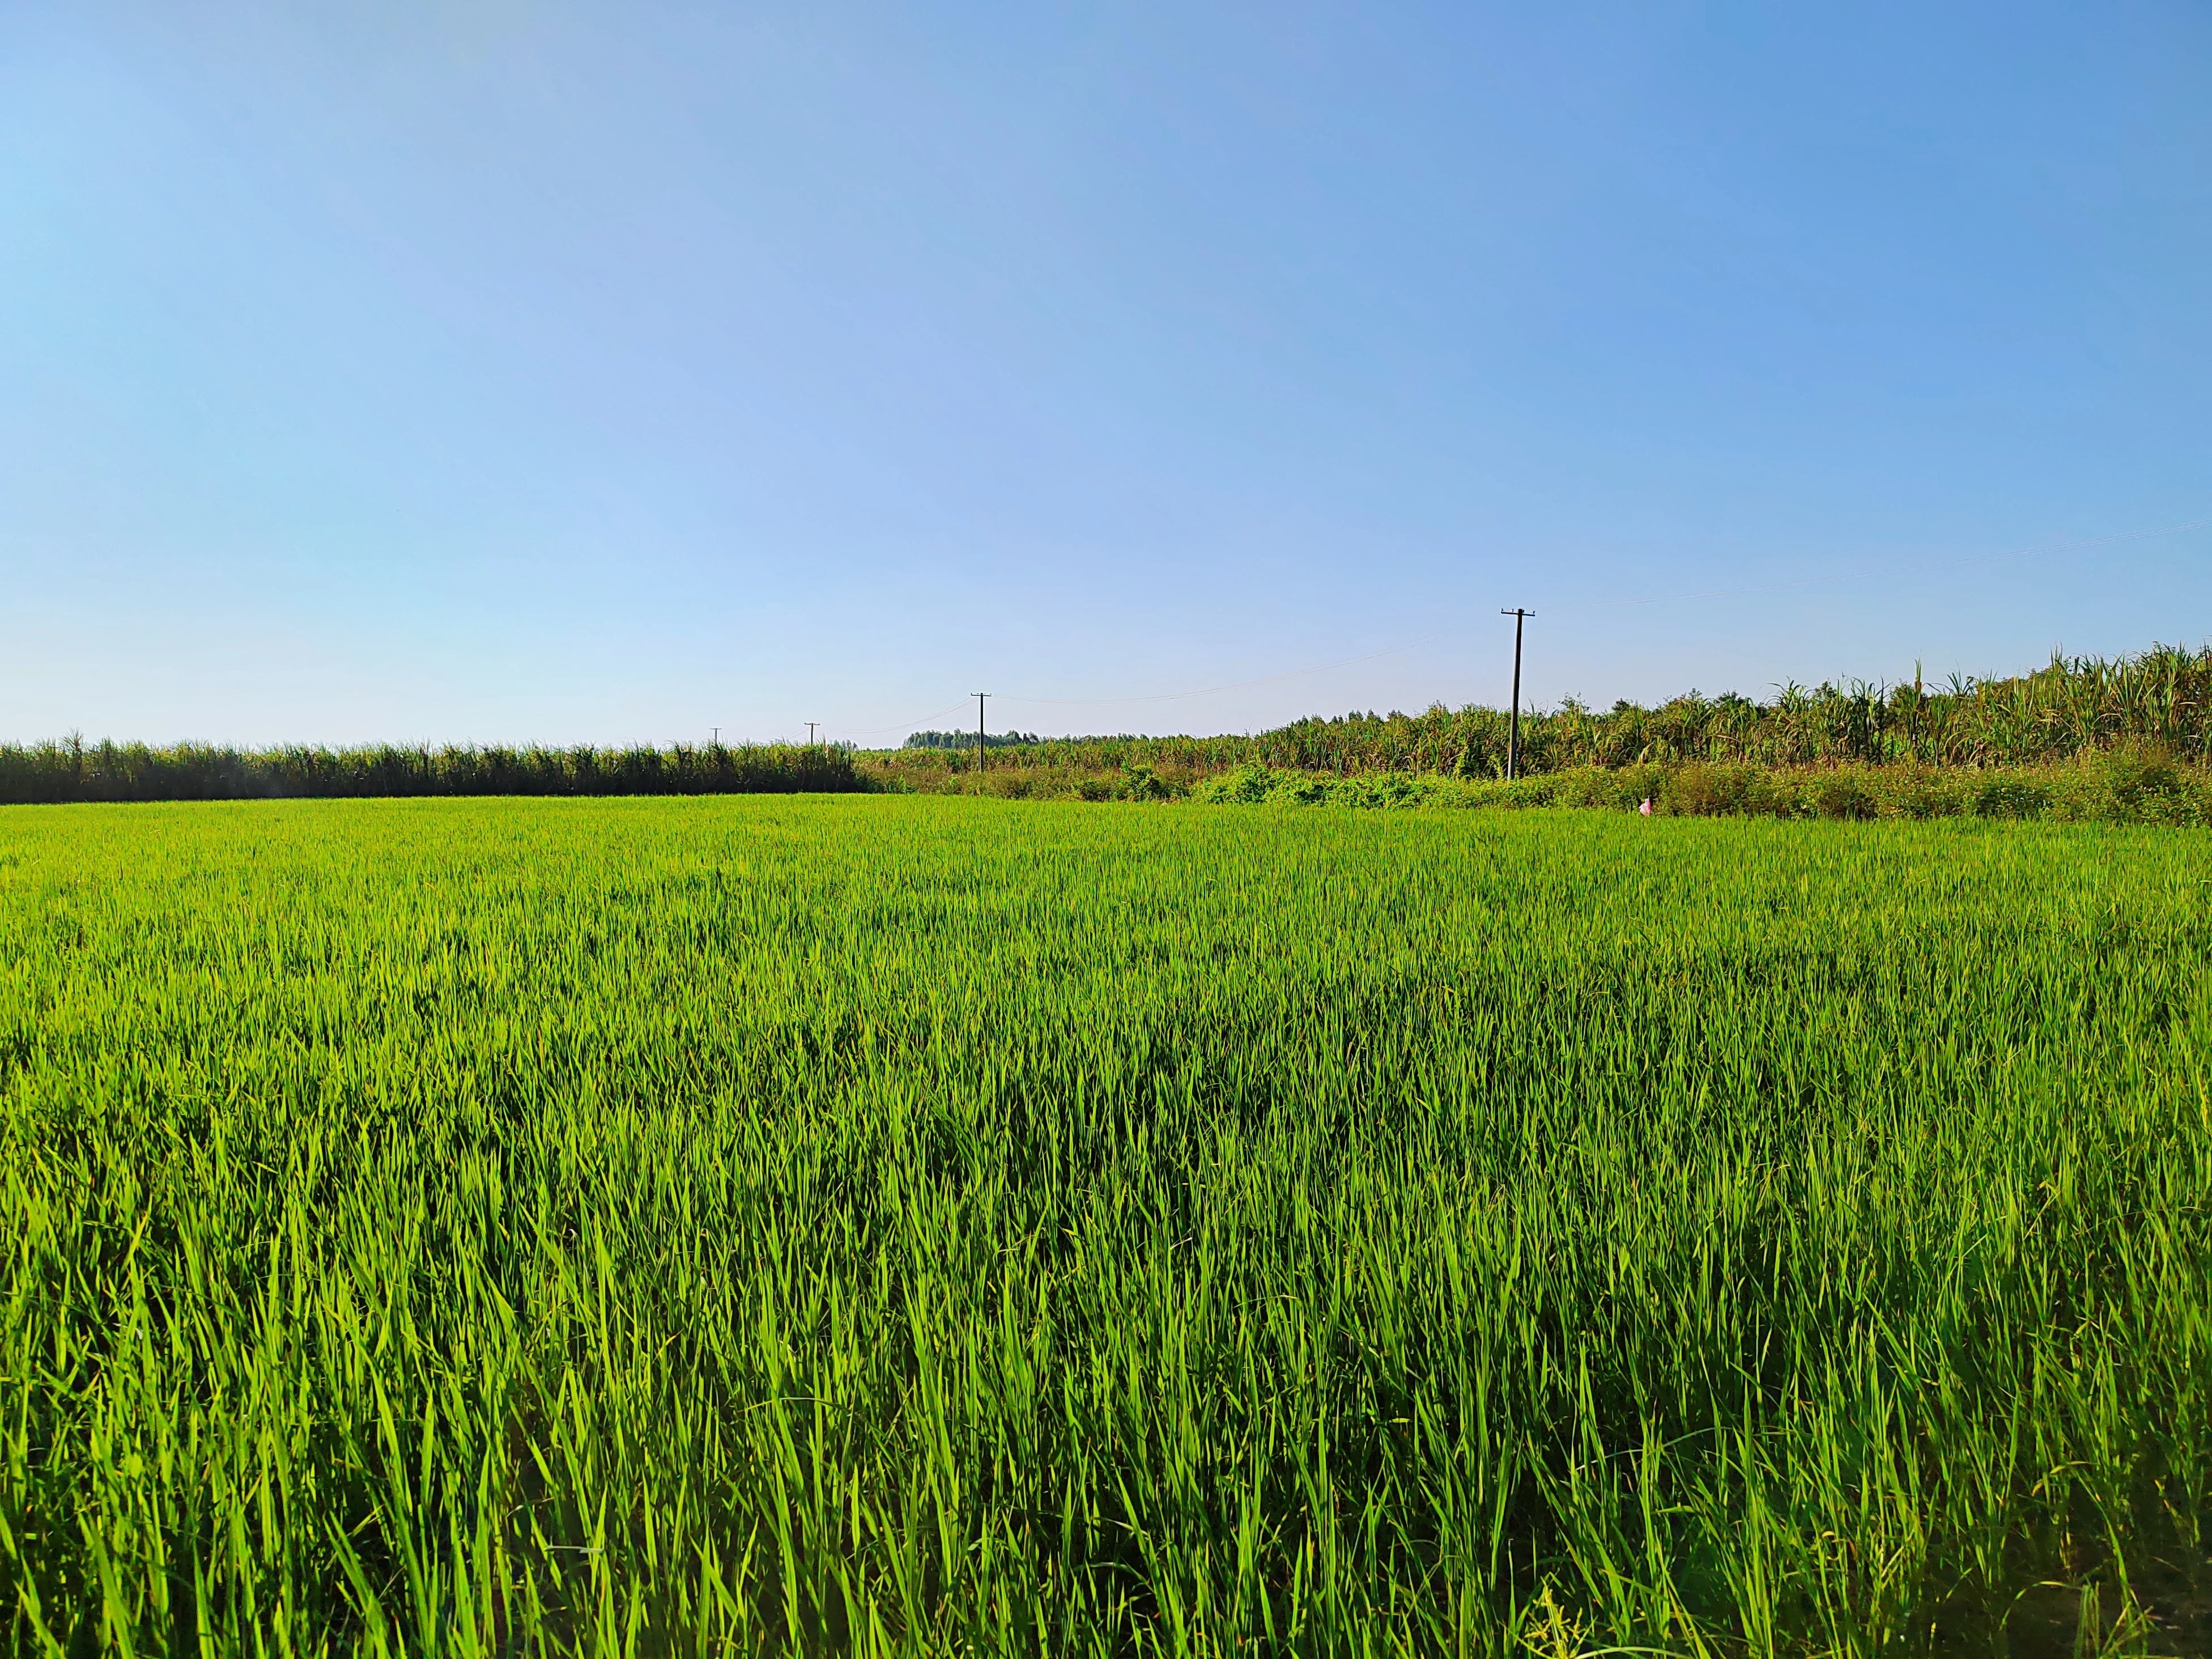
<point x="2124" y="788"/>
<point x="2137" y="770"/>
<point x="1843" y="795"/>
<point x="2011" y="796"/>
<point x="1702" y="789"/>
<point x="1917" y="792"/>
<point x="1144" y="782"/>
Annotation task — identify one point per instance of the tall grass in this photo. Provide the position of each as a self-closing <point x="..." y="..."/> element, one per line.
<point x="2161" y="698"/>
<point x="928" y="1226"/>
<point x="73" y="770"/>
<point x="2159" y="701"/>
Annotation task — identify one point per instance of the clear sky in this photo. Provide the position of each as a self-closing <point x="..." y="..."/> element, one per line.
<point x="510" y="370"/>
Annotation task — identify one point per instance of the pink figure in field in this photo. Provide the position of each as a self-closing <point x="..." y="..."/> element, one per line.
<point x="1646" y="808"/>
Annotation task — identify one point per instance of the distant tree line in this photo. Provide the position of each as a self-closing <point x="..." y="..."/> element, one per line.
<point x="967" y="739"/>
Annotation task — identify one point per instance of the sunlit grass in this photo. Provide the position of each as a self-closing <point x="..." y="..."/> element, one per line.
<point x="924" y="1226"/>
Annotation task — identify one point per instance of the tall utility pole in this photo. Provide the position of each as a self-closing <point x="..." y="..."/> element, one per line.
<point x="1513" y="732"/>
<point x="811" y="725"/>
<point x="980" y="696"/>
<point x="718" y="737"/>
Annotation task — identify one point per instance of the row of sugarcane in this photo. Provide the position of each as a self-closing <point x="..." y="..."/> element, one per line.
<point x="73" y="770"/>
<point x="2161" y="699"/>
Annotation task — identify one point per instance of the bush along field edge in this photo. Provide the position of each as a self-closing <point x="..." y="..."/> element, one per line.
<point x="2123" y="787"/>
<point x="2135" y="784"/>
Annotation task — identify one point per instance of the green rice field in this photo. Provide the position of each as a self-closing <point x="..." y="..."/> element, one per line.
<point x="937" y="1225"/>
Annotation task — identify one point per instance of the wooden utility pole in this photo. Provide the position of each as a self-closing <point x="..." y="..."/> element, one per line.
<point x="811" y="725"/>
<point x="980" y="696"/>
<point x="1513" y="731"/>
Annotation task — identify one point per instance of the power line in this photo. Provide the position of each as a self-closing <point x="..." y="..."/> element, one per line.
<point x="1209" y="690"/>
<point x="914" y="724"/>
<point x="1830" y="581"/>
<point x="1609" y="604"/>
<point x="2040" y="549"/>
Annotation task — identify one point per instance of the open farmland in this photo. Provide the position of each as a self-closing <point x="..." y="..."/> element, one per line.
<point x="926" y="1225"/>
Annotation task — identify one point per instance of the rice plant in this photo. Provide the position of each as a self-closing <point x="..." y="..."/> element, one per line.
<point x="807" y="1224"/>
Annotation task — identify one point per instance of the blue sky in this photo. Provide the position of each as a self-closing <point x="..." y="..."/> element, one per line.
<point x="505" y="371"/>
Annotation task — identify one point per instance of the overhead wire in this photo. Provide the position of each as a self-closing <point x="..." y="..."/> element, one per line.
<point x="1240" y="686"/>
<point x="1554" y="606"/>
<point x="1611" y="605"/>
<point x="911" y="725"/>
<point x="1943" y="564"/>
